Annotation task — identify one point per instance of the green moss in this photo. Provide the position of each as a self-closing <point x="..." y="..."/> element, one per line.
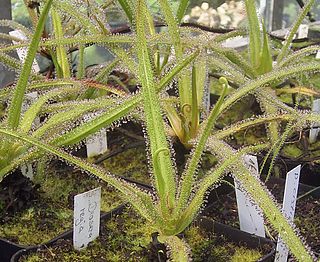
<point x="207" y="247"/>
<point x="61" y="187"/>
<point x="243" y="109"/>
<point x="121" y="239"/>
<point x="131" y="163"/>
<point x="245" y="255"/>
<point x="291" y="150"/>
<point x="28" y="229"/>
<point x="126" y="237"/>
<point x="52" y="213"/>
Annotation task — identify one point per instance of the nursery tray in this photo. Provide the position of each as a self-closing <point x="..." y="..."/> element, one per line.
<point x="18" y="251"/>
<point x="240" y="237"/>
<point x="228" y="202"/>
<point x="231" y="234"/>
<point x="8" y="249"/>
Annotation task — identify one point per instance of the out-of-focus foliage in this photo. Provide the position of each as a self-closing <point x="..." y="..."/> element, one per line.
<point x="20" y="13"/>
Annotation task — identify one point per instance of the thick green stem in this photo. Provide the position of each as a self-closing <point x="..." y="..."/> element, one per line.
<point x="188" y="176"/>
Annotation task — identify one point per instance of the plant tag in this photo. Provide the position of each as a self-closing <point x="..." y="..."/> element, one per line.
<point x="303" y="31"/>
<point x="236" y="42"/>
<point x="314" y="131"/>
<point x="97" y="143"/>
<point x="288" y="209"/>
<point x="86" y="220"/>
<point x="318" y="55"/>
<point x="28" y="100"/>
<point x="250" y="214"/>
<point x="22" y="52"/>
<point x="206" y="99"/>
<point x="27" y="170"/>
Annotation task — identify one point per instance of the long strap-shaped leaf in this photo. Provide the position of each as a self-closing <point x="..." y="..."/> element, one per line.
<point x="174" y="32"/>
<point x="70" y="9"/>
<point x="265" y="119"/>
<point x="285" y="48"/>
<point x="16" y="103"/>
<point x="211" y="178"/>
<point x="267" y="78"/>
<point x="183" y="5"/>
<point x="119" y="111"/>
<point x="254" y="33"/>
<point x="263" y="198"/>
<point x="15" y="25"/>
<point x="62" y="121"/>
<point x="189" y="174"/>
<point x="62" y="57"/>
<point x="9" y="61"/>
<point x="297" y="56"/>
<point x="34" y="109"/>
<point x="142" y="201"/>
<point x="127" y="8"/>
<point x="161" y="156"/>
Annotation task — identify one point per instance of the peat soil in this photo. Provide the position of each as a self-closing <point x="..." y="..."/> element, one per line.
<point x="17" y="193"/>
<point x="124" y="239"/>
<point x="33" y="213"/>
<point x="306" y="216"/>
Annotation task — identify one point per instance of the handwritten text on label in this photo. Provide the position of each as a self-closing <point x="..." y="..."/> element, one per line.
<point x="288" y="208"/>
<point x="86" y="218"/>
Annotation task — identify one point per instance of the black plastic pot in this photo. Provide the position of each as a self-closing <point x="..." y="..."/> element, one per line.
<point x="310" y="175"/>
<point x="240" y="237"/>
<point x="8" y="249"/>
<point x="303" y="190"/>
<point x="229" y="233"/>
<point x="66" y="235"/>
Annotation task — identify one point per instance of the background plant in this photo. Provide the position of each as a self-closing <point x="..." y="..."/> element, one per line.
<point x="176" y="198"/>
<point x="260" y="59"/>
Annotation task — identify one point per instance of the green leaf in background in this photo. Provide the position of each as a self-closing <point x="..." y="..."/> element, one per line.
<point x="266" y="57"/>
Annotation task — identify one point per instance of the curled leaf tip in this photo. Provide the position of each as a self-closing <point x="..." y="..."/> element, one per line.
<point x="223" y="81"/>
<point x="162" y="149"/>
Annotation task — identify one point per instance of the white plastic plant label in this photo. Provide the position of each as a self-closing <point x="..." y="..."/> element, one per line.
<point x="97" y="143"/>
<point x="206" y="98"/>
<point x="314" y="131"/>
<point x="27" y="171"/>
<point x="22" y="52"/>
<point x="303" y="31"/>
<point x="288" y="209"/>
<point x="318" y="55"/>
<point x="86" y="221"/>
<point x="250" y="214"/>
<point x="236" y="42"/>
<point x="29" y="99"/>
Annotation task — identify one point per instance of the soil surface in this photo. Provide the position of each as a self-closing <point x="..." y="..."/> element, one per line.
<point x="127" y="237"/>
<point x="306" y="216"/>
<point x="17" y="193"/>
<point x="35" y="212"/>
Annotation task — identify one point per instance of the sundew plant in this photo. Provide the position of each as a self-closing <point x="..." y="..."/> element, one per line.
<point x="262" y="58"/>
<point x="158" y="60"/>
<point x="57" y="91"/>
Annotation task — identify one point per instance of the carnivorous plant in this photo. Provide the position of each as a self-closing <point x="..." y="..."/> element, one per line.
<point x="176" y="198"/>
